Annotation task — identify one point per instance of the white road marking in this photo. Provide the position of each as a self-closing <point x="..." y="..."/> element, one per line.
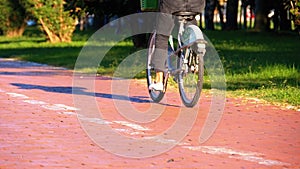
<point x="66" y="107"/>
<point x="94" y="120"/>
<point x="162" y="140"/>
<point x="58" y="107"/>
<point x="260" y="160"/>
<point x="136" y="133"/>
<point x="62" y="107"/>
<point x="132" y="125"/>
<point x="52" y="107"/>
<point x="68" y="113"/>
<point x="220" y="150"/>
<point x="17" y="95"/>
<point x="67" y="110"/>
<point x="242" y="155"/>
<point x="34" y="102"/>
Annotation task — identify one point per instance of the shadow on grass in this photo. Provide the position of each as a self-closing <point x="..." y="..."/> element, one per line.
<point x="240" y="61"/>
<point x="5" y="42"/>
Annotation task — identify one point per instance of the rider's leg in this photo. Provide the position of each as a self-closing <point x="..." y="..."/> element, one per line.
<point x="159" y="77"/>
<point x="165" y="24"/>
<point x="159" y="61"/>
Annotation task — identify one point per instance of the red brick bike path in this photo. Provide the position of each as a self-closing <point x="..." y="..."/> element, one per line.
<point x="39" y="127"/>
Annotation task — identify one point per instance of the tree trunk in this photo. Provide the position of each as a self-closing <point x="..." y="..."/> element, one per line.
<point x="16" y="32"/>
<point x="232" y="14"/>
<point x="285" y="23"/>
<point x="53" y="38"/>
<point x="209" y="14"/>
<point x="260" y="15"/>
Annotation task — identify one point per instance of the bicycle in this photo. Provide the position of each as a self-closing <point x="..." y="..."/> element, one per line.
<point x="185" y="63"/>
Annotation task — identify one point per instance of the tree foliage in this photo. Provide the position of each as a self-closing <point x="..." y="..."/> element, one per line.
<point x="105" y="9"/>
<point x="295" y="11"/>
<point x="55" y="20"/>
<point x="13" y="18"/>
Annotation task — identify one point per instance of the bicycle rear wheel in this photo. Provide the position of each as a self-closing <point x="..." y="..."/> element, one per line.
<point x="190" y="79"/>
<point x="156" y="96"/>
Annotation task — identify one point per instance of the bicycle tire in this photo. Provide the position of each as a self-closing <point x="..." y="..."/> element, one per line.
<point x="156" y="96"/>
<point x="190" y="79"/>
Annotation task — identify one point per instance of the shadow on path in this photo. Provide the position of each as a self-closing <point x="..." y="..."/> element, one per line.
<point x="32" y="73"/>
<point x="81" y="91"/>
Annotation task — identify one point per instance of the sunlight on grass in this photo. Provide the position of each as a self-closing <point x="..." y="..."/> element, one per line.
<point x="280" y="96"/>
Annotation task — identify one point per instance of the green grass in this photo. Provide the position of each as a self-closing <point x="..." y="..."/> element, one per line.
<point x="262" y="65"/>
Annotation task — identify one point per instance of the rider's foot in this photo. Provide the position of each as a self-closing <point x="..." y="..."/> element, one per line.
<point x="156" y="86"/>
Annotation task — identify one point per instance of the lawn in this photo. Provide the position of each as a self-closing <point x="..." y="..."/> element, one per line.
<point x="261" y="65"/>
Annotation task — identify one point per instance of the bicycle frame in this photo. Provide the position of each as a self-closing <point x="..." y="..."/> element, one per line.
<point x="171" y="70"/>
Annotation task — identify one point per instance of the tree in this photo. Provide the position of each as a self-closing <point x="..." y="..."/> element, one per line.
<point x="295" y="11"/>
<point x="13" y="18"/>
<point x="232" y="14"/>
<point x="209" y="14"/>
<point x="284" y="15"/>
<point x="260" y="15"/>
<point x="55" y="20"/>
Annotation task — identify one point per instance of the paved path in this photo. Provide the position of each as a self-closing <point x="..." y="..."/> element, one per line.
<point x="39" y="127"/>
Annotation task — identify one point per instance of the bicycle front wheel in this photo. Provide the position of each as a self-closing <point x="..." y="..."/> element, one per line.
<point x="156" y="96"/>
